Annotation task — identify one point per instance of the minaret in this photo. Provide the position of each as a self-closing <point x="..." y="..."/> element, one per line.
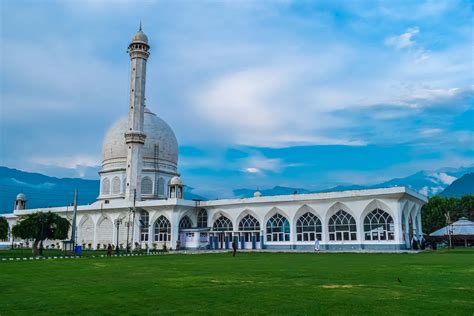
<point x="135" y="137"/>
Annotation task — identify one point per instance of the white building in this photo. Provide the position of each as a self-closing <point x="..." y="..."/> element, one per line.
<point x="140" y="184"/>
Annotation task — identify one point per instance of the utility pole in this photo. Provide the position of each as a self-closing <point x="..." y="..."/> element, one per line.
<point x="133" y="221"/>
<point x="448" y="225"/>
<point x="73" y="232"/>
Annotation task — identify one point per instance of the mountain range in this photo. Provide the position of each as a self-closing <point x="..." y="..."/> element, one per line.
<point x="45" y="191"/>
<point x="444" y="182"/>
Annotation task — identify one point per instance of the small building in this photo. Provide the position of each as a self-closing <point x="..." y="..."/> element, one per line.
<point x="462" y="232"/>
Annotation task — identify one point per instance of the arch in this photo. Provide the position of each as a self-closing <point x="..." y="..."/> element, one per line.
<point x="249" y="223"/>
<point x="273" y="211"/>
<point x="379" y="226"/>
<point x="161" y="186"/>
<point x="105" y="186"/>
<point x="86" y="231"/>
<point x="144" y="225"/>
<point x="243" y="214"/>
<point x="376" y="204"/>
<point x="185" y="222"/>
<point x="222" y="223"/>
<point x="202" y="218"/>
<point x="162" y="229"/>
<point x="342" y="226"/>
<point x="278" y="228"/>
<point x="104" y="231"/>
<point x="308" y="227"/>
<point x="116" y="185"/>
<point x="147" y="185"/>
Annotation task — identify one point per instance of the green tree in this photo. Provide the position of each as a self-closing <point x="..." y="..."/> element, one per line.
<point x="467" y="207"/>
<point x="40" y="226"/>
<point x="433" y="212"/>
<point x="3" y="228"/>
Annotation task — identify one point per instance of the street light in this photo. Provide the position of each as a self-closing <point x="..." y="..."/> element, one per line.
<point x="118" y="221"/>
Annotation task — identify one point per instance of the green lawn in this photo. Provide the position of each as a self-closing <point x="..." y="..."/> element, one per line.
<point x="436" y="283"/>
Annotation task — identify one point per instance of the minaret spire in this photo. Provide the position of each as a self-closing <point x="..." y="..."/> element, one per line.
<point x="140" y="25"/>
<point x="135" y="136"/>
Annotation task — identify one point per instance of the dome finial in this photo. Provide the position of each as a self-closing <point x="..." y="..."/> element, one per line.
<point x="140" y="25"/>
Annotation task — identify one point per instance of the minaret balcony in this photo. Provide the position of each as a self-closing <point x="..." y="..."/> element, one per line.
<point x="135" y="137"/>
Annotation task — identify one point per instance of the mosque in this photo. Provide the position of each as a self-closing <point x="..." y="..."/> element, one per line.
<point x="142" y="204"/>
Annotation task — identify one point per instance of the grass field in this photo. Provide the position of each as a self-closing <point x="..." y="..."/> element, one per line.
<point x="432" y="283"/>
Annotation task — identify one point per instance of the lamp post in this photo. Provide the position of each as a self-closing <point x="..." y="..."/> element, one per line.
<point x="118" y="221"/>
<point x="130" y="210"/>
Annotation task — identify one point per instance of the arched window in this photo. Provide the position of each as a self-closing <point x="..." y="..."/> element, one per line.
<point x="144" y="224"/>
<point x="162" y="229"/>
<point x="222" y="224"/>
<point x="161" y="186"/>
<point x="308" y="227"/>
<point x="342" y="226"/>
<point x="185" y="222"/>
<point x="378" y="225"/>
<point x="278" y="228"/>
<point x="147" y="186"/>
<point x="116" y="185"/>
<point x="202" y="218"/>
<point x="106" y="186"/>
<point x="249" y="223"/>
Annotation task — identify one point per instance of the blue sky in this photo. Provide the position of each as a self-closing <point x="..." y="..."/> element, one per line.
<point x="259" y="93"/>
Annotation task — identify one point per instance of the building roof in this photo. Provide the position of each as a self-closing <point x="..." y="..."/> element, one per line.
<point x="462" y="227"/>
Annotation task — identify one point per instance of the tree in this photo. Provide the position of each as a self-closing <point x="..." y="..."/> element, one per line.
<point x="3" y="228"/>
<point x="40" y="226"/>
<point x="433" y="212"/>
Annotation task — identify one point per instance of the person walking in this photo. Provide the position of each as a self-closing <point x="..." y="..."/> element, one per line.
<point x="316" y="245"/>
<point x="234" y="247"/>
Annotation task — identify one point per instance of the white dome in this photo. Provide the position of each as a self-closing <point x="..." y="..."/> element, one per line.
<point x="176" y="181"/>
<point x="157" y="133"/>
<point x="140" y="37"/>
<point x="257" y="194"/>
<point x="21" y="197"/>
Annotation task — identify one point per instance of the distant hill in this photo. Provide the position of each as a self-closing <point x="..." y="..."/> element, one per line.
<point x="44" y="191"/>
<point x="428" y="183"/>
<point x="460" y="187"/>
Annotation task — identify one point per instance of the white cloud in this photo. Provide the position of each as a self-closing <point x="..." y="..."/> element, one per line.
<point x="443" y="178"/>
<point x="252" y="170"/>
<point x="430" y="131"/>
<point x="258" y="163"/>
<point x="68" y="161"/>
<point x="403" y="40"/>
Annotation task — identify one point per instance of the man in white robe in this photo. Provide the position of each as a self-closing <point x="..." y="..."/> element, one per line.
<point x="316" y="245"/>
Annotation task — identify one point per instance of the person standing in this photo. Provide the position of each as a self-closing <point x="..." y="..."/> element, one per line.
<point x="234" y="247"/>
<point x="316" y="245"/>
<point x="109" y="250"/>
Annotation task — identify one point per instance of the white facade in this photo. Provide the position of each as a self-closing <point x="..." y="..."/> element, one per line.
<point x="304" y="218"/>
<point x="141" y="199"/>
